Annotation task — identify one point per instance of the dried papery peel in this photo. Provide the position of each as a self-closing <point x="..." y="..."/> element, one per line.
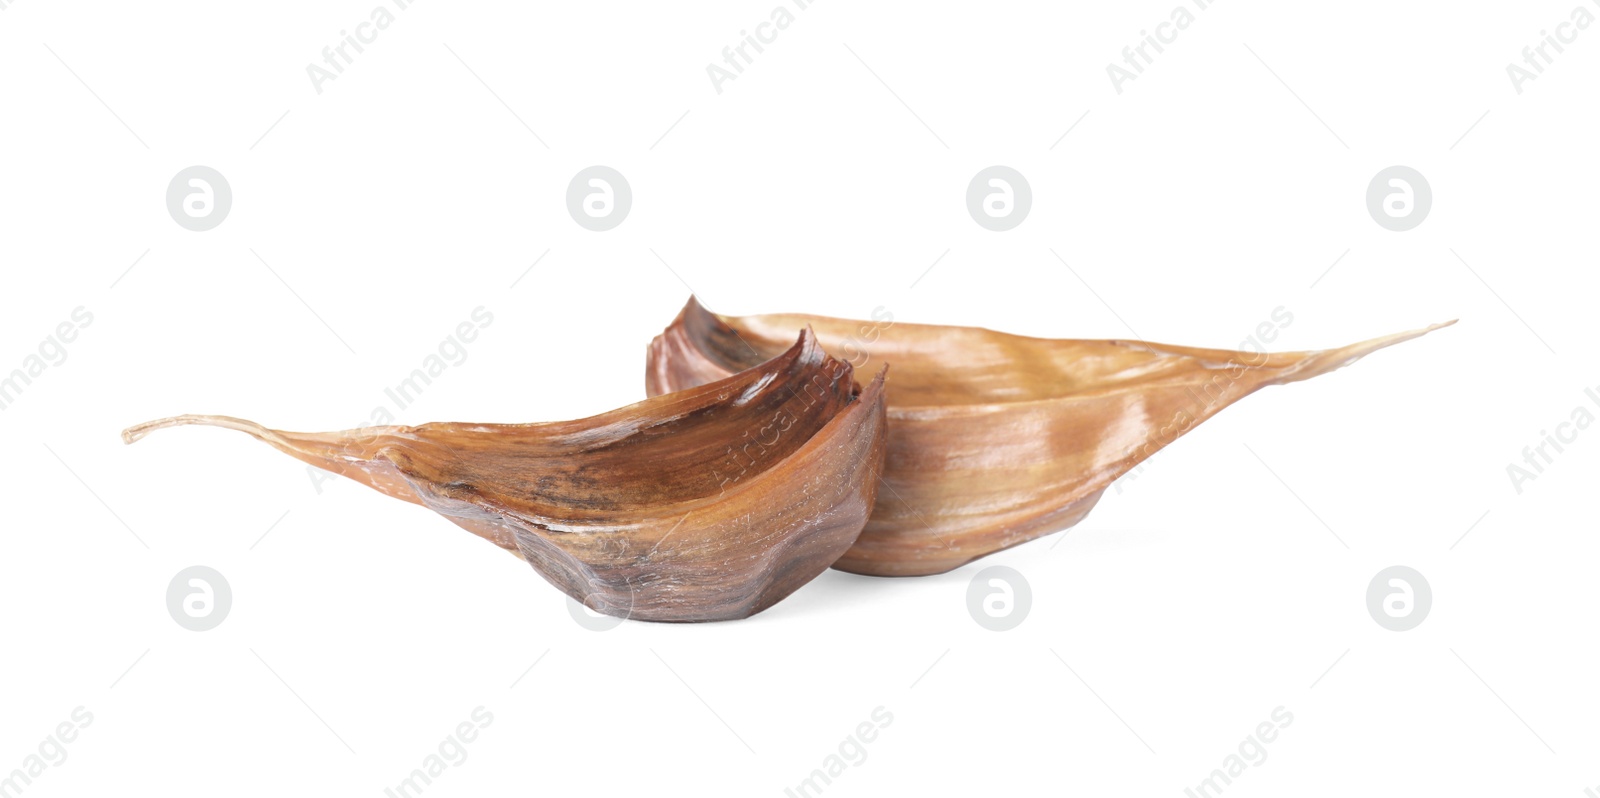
<point x="707" y="504"/>
<point x="995" y="439"/>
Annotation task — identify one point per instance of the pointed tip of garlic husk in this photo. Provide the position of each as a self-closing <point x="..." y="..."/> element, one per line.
<point x="1312" y="364"/>
<point x="251" y="428"/>
<point x="1405" y="336"/>
<point x="1371" y="345"/>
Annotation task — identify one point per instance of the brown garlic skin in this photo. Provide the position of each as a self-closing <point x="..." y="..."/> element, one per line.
<point x="708" y="504"/>
<point x="995" y="439"/>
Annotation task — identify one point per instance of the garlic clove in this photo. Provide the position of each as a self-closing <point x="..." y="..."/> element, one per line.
<point x="996" y="439"/>
<point x="707" y="504"/>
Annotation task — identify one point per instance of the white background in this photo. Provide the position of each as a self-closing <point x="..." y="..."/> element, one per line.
<point x="1190" y="604"/>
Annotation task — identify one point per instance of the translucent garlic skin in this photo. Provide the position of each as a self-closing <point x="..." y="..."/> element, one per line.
<point x="712" y="503"/>
<point x="995" y="439"/>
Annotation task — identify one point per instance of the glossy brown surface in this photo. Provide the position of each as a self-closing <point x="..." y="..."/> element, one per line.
<point x="994" y="439"/>
<point x="708" y="504"/>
